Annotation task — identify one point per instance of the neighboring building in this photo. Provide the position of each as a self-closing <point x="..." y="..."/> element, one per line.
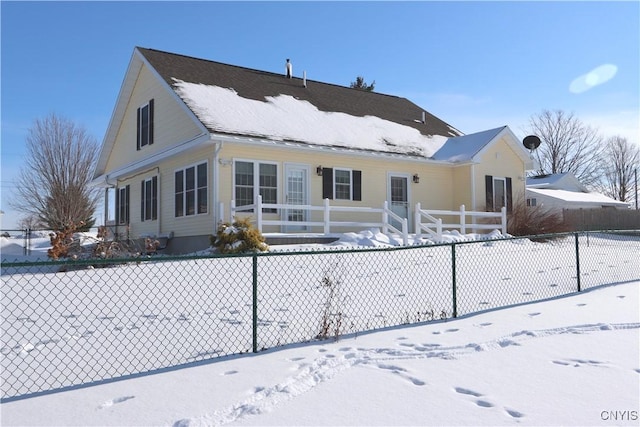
<point x="564" y="191"/>
<point x="190" y="136"/>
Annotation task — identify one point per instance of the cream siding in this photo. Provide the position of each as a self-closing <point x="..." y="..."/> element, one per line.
<point x="462" y="194"/>
<point x="433" y="190"/>
<point x="192" y="225"/>
<point x="172" y="124"/>
<point x="499" y="160"/>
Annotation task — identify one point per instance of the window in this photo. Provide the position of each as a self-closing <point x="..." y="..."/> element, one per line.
<point x="341" y="184"/>
<point x="498" y="193"/>
<point x="149" y="199"/>
<point x="191" y="191"/>
<point x="122" y="205"/>
<point x="252" y="175"/>
<point x="145" y="125"/>
<point x="531" y="202"/>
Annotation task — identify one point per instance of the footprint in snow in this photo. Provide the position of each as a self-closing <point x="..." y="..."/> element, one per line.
<point x="621" y="296"/>
<point x="466" y="391"/>
<point x="534" y="314"/>
<point x="114" y="401"/>
<point x="229" y="373"/>
<point x="514" y="414"/>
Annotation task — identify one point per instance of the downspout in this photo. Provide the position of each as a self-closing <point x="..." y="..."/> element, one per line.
<point x="106" y="198"/>
<point x="216" y="187"/>
<point x="473" y="193"/>
<point x="159" y="203"/>
<point x="473" y="187"/>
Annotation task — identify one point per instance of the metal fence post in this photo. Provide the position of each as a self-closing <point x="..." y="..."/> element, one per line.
<point x="578" y="262"/>
<point x="453" y="275"/>
<point x="255" y="303"/>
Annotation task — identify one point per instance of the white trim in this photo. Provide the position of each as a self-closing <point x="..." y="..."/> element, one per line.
<point x="132" y="168"/>
<point x="325" y="149"/>
<point x="286" y="168"/>
<point x="474" y="199"/>
<point x="256" y="177"/>
<point x="215" y="191"/>
<point x="335" y="197"/>
<point x="406" y="176"/>
<point x="504" y="189"/>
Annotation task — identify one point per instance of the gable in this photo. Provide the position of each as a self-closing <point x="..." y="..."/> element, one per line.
<point x="559" y="181"/>
<point x="172" y="121"/>
<point x="473" y="147"/>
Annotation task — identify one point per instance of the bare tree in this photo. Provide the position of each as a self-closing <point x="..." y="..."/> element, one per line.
<point x="568" y="145"/>
<point x="55" y="179"/>
<point x="30" y="222"/>
<point x="620" y="163"/>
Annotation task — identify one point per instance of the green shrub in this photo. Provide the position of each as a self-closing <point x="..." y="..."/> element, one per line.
<point x="238" y="237"/>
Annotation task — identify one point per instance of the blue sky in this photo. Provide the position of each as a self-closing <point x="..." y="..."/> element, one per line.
<point x="477" y="65"/>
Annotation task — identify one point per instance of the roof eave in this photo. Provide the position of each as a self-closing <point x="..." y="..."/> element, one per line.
<point x="306" y="146"/>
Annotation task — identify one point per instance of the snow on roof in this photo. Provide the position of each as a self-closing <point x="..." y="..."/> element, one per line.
<point x="463" y="148"/>
<point x="286" y="118"/>
<point x="545" y="180"/>
<point x="576" y="196"/>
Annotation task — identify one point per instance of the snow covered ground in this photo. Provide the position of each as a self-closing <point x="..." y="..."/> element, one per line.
<point x="567" y="361"/>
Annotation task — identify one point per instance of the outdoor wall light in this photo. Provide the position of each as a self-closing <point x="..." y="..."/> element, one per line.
<point x="319" y="170"/>
<point x="416" y="178"/>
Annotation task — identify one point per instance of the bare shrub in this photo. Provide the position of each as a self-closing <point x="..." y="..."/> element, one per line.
<point x="332" y="318"/>
<point x="526" y="220"/>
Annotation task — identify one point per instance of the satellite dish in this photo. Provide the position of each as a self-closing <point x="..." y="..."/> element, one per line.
<point x="531" y="142"/>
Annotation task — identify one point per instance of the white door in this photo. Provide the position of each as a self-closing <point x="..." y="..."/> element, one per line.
<point x="398" y="195"/>
<point x="296" y="193"/>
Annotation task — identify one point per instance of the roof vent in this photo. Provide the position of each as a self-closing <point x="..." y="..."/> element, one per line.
<point x="289" y="69"/>
<point x="424" y="117"/>
<point x="304" y="78"/>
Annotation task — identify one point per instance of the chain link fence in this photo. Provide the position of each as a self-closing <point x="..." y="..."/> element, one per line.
<point x="65" y="324"/>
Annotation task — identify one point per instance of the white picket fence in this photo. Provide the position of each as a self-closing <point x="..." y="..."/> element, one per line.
<point x="427" y="221"/>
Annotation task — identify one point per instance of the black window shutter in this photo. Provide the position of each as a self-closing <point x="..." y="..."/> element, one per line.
<point x="126" y="209"/>
<point x="138" y="130"/>
<point x="357" y="185"/>
<point x="488" y="180"/>
<point x="142" y="202"/>
<point x="154" y="198"/>
<point x="327" y="183"/>
<point x="509" y="196"/>
<point x="151" y="122"/>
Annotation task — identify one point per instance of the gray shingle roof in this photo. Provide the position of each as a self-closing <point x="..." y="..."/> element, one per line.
<point x="256" y="84"/>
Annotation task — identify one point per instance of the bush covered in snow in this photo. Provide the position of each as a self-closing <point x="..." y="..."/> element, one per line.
<point x="238" y="237"/>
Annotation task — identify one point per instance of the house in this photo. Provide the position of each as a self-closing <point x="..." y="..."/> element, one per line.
<point x="192" y="141"/>
<point x="564" y="191"/>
